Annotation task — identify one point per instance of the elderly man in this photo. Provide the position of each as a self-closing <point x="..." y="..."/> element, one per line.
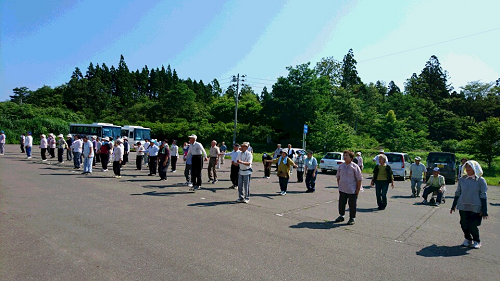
<point x="152" y="152"/>
<point x="212" y="163"/>
<point x="349" y="182"/>
<point x="28" y="144"/>
<point x="76" y="147"/>
<point x="88" y="155"/>
<point x="196" y="151"/>
<point x="235" y="167"/>
<point x="435" y="183"/>
<point x="418" y="174"/>
<point x="163" y="160"/>
<point x="277" y="153"/>
<point x="223" y="149"/>
<point x="376" y="157"/>
<point x="244" y="159"/>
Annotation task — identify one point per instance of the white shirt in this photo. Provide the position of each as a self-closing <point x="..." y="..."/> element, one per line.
<point x="174" y="150"/>
<point x="245" y="157"/>
<point x="140" y="150"/>
<point x="76" y="146"/>
<point x="43" y="143"/>
<point x="87" y="149"/>
<point x="234" y="155"/>
<point x="118" y="153"/>
<point x="196" y="149"/>
<point x="28" y="141"/>
<point x="153" y="150"/>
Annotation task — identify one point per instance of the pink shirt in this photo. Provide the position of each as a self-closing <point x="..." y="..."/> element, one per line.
<point x="349" y="176"/>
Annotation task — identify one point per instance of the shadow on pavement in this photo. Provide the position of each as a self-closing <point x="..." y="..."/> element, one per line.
<point x="366" y="210"/>
<point x="161" y="186"/>
<point x="443" y="251"/>
<point x="495" y="204"/>
<point x="403" y="196"/>
<point x="154" y="193"/>
<point x="316" y="225"/>
<point x="54" y="174"/>
<point x="212" y="204"/>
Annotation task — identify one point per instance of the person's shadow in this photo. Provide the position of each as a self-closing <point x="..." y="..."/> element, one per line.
<point x="443" y="251"/>
<point x="316" y="225"/>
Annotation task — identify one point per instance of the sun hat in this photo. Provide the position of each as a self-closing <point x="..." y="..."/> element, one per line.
<point x="418" y="158"/>
<point x="68" y="136"/>
<point x="60" y="136"/>
<point x="359" y="153"/>
<point x="193" y="136"/>
<point x="436" y="169"/>
<point x="381" y="151"/>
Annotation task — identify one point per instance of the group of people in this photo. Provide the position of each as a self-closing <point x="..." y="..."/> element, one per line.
<point x="470" y="197"/>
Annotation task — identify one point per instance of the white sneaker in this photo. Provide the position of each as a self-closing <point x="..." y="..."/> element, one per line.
<point x="283" y="193"/>
<point x="476" y="245"/>
<point x="190" y="184"/>
<point x="118" y="177"/>
<point x="44" y="160"/>
<point x="246" y="201"/>
<point x="267" y="177"/>
<point x="467" y="243"/>
<point x="239" y="200"/>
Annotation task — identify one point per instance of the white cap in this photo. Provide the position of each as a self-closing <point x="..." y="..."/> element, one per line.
<point x="381" y="151"/>
<point x="436" y="169"/>
<point x="193" y="136"/>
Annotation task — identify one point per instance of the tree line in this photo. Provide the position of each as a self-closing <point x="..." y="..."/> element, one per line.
<point x="341" y="110"/>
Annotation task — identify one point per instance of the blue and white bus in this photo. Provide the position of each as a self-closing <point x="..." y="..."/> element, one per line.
<point x="136" y="133"/>
<point x="100" y="130"/>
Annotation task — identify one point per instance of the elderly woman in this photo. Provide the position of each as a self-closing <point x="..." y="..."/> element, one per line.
<point x="284" y="166"/>
<point x="300" y="166"/>
<point x="382" y="176"/>
<point x="470" y="200"/>
<point x="43" y="147"/>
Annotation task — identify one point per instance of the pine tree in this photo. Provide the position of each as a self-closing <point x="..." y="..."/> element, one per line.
<point x="349" y="73"/>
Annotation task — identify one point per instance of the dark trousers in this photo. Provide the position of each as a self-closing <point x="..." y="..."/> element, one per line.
<point x="283" y="183"/>
<point x="174" y="162"/>
<point x="69" y="154"/>
<point x="310" y="180"/>
<point x="22" y="147"/>
<point x="352" y="199"/>
<point x="43" y="151"/>
<point x="104" y="161"/>
<point x="300" y="176"/>
<point x="162" y="170"/>
<point x="235" y="169"/>
<point x="381" y="188"/>
<point x="125" y="158"/>
<point x="116" y="168"/>
<point x="60" y="153"/>
<point x="98" y="157"/>
<point x="76" y="159"/>
<point x="211" y="168"/>
<point x="469" y="221"/>
<point x="267" y="170"/>
<point x="197" y="162"/>
<point x="52" y="152"/>
<point x="431" y="189"/>
<point x="187" y="172"/>
<point x="152" y="164"/>
<point x="138" y="162"/>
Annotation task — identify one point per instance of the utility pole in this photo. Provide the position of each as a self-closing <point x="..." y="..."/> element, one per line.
<point x="236" y="97"/>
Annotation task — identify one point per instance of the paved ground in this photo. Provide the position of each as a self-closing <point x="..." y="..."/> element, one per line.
<point x="59" y="225"/>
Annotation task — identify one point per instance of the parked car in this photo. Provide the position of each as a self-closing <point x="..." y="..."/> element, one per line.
<point x="445" y="161"/>
<point x="331" y="161"/>
<point x="400" y="164"/>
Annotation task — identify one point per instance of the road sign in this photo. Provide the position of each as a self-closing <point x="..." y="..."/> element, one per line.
<point x="305" y="128"/>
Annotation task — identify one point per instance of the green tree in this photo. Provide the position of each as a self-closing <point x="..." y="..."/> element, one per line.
<point x="331" y="69"/>
<point x="349" y="73"/>
<point x="20" y="94"/>
<point x="486" y="140"/>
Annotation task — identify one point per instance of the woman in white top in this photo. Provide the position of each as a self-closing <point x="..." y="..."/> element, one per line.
<point x="174" y="155"/>
<point x="140" y="154"/>
<point x="43" y="147"/>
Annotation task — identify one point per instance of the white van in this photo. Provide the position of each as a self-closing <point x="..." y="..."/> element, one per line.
<point x="400" y="164"/>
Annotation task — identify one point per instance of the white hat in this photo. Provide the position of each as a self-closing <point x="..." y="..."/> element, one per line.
<point x="60" y="136"/>
<point x="106" y="138"/>
<point x="381" y="151"/>
<point x="359" y="153"/>
<point x="51" y="134"/>
<point x="124" y="138"/>
<point x="418" y="158"/>
<point x="68" y="136"/>
<point x="193" y="136"/>
<point x="43" y="135"/>
<point x="436" y="169"/>
<point x="94" y="137"/>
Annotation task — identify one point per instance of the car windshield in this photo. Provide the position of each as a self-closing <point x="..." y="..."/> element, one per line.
<point x="334" y="156"/>
<point x="394" y="158"/>
<point x="440" y="158"/>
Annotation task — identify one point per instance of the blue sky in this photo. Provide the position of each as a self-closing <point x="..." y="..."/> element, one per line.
<point x="41" y="42"/>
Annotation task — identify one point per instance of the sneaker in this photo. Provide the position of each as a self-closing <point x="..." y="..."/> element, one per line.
<point x="233" y="186"/>
<point x="467" y="243"/>
<point x="246" y="201"/>
<point x="267" y="177"/>
<point x="44" y="160"/>
<point x="186" y="183"/>
<point x="351" y="221"/>
<point x="175" y="171"/>
<point x="283" y="193"/>
<point x="214" y="181"/>
<point x="476" y="245"/>
<point x="339" y="219"/>
<point x="190" y="184"/>
<point x="239" y="200"/>
<point x="424" y="202"/>
<point x="118" y="177"/>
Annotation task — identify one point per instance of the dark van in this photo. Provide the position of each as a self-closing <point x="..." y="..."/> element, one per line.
<point x="445" y="161"/>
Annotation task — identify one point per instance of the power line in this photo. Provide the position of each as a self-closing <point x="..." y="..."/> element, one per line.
<point x="262" y="79"/>
<point x="442" y="42"/>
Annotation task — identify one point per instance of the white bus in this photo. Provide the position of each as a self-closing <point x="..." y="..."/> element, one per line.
<point x="136" y="133"/>
<point x="96" y="129"/>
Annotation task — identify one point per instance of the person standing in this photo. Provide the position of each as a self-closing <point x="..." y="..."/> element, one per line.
<point x="2" y="142"/>
<point x="174" y="155"/>
<point x="359" y="160"/>
<point x="291" y="155"/>
<point x="139" y="148"/>
<point x="471" y="202"/>
<point x="223" y="149"/>
<point x="277" y="153"/>
<point x="43" y="147"/>
<point x="61" y="145"/>
<point x="197" y="151"/>
<point x="311" y="166"/>
<point x="214" y="158"/>
<point x="163" y="160"/>
<point x="145" y="157"/>
<point x="375" y="159"/>
<point x="187" y="168"/>
<point x="349" y="182"/>
<point x="21" y="142"/>
<point x="88" y="155"/>
<point x="28" y="144"/>
<point x="105" y="152"/>
<point x="52" y="145"/>
<point x="382" y="176"/>
<point x="126" y="151"/>
<point x="69" y="152"/>
<point x="460" y="170"/>
<point x="117" y="159"/>
<point x="244" y="160"/>
<point x="94" y="149"/>
<point x="417" y="169"/>
<point x="300" y="166"/>
<point x="284" y="165"/>
<point x="235" y="167"/>
<point x="153" y="157"/>
<point x="267" y="165"/>
<point x="98" y="150"/>
<point x="76" y="147"/>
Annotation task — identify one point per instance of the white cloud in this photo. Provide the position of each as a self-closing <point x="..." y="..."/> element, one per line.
<point x="464" y="68"/>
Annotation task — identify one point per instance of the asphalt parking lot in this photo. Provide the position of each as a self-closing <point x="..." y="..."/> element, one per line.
<point x="57" y="224"/>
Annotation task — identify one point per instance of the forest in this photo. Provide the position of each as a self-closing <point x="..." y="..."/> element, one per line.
<point x="342" y="111"/>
